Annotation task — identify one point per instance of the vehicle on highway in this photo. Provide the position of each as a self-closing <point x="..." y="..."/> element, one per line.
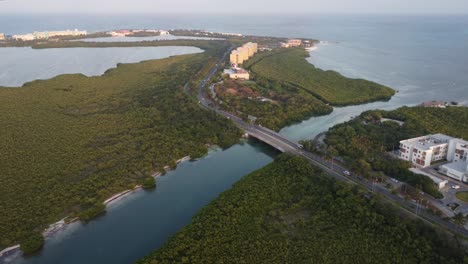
<point x="455" y="186"/>
<point x="394" y="180"/>
<point x="347" y="172"/>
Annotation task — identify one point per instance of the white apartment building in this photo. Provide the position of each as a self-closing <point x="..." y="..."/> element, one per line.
<point x="457" y="170"/>
<point x="237" y="73"/>
<point x="458" y="150"/>
<point x="458" y="155"/>
<point x="49" y="34"/>
<point x="422" y="151"/>
<point x="24" y="37"/>
<point x="291" y="43"/>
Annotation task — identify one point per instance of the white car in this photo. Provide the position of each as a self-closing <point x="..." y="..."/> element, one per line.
<point x="346" y="172"/>
<point x="455" y="186"/>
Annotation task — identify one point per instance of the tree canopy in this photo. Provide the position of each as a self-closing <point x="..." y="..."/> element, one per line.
<point x="72" y="141"/>
<point x="289" y="212"/>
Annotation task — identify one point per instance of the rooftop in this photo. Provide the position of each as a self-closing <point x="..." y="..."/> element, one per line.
<point x="434" y="104"/>
<point x="429" y="141"/>
<point x="460" y="166"/>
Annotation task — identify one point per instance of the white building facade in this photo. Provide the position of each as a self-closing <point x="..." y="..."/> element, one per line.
<point x="237" y="74"/>
<point x="25" y="37"/>
<point x="457" y="170"/>
<point x="458" y="156"/>
<point x="458" y="150"/>
<point x="423" y="151"/>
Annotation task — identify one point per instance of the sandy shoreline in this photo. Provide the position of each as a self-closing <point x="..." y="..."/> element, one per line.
<point x="57" y="226"/>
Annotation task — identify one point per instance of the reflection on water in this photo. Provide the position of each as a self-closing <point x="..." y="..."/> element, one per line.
<point x="142" y="221"/>
<point x="20" y="65"/>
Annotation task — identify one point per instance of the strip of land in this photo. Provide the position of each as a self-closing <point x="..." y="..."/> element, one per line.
<point x="290" y="212"/>
<point x="73" y="141"/>
<point x="289" y="66"/>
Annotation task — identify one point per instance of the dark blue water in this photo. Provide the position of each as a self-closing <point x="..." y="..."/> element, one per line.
<point x="142" y="221"/>
<point x="422" y="57"/>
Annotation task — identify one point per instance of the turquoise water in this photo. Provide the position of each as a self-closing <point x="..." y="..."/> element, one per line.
<point x="422" y="57"/>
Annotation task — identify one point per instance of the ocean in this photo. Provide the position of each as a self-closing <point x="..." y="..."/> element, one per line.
<point x="423" y="57"/>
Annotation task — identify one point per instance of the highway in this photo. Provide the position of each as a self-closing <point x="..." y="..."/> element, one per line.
<point x="338" y="172"/>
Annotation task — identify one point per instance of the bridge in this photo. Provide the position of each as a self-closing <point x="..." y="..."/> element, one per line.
<point x="336" y="171"/>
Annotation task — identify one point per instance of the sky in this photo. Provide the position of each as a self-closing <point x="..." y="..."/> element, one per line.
<point x="235" y="6"/>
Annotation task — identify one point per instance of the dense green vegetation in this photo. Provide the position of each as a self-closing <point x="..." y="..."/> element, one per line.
<point x="149" y="183"/>
<point x="289" y="66"/>
<point x="32" y="243"/>
<point x="72" y="141"/>
<point x="363" y="141"/>
<point x="274" y="104"/>
<point x="92" y="212"/>
<point x="289" y="212"/>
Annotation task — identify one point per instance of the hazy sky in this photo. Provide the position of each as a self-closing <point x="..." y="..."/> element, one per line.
<point x="235" y="6"/>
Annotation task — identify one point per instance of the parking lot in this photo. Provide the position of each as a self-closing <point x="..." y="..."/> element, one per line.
<point x="449" y="191"/>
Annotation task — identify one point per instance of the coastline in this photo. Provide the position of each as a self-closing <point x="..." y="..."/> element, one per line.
<point x="55" y="227"/>
<point x="52" y="229"/>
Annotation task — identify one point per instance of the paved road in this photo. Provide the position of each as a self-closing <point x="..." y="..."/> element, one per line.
<point x="336" y="171"/>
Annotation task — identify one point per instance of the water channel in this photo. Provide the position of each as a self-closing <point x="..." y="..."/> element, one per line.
<point x="142" y="221"/>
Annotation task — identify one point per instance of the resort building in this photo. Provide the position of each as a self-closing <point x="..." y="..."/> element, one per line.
<point x="50" y="34"/>
<point x="422" y="151"/>
<point x="457" y="170"/>
<point x="439" y="104"/>
<point x="25" y="37"/>
<point x="236" y="57"/>
<point x="121" y="33"/>
<point x="2" y="36"/>
<point x="458" y="155"/>
<point x="458" y="150"/>
<point x="292" y="43"/>
<point x="241" y="54"/>
<point x="237" y="73"/>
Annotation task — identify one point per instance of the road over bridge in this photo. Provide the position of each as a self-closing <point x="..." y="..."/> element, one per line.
<point x="338" y="172"/>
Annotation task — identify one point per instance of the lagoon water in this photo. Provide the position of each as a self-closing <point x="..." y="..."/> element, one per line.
<point x="142" y="221"/>
<point x="422" y="57"/>
<point x="21" y="65"/>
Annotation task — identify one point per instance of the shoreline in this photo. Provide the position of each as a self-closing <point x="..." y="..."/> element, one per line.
<point x="52" y="229"/>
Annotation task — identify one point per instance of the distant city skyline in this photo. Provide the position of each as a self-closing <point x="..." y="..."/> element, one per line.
<point x="237" y="7"/>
